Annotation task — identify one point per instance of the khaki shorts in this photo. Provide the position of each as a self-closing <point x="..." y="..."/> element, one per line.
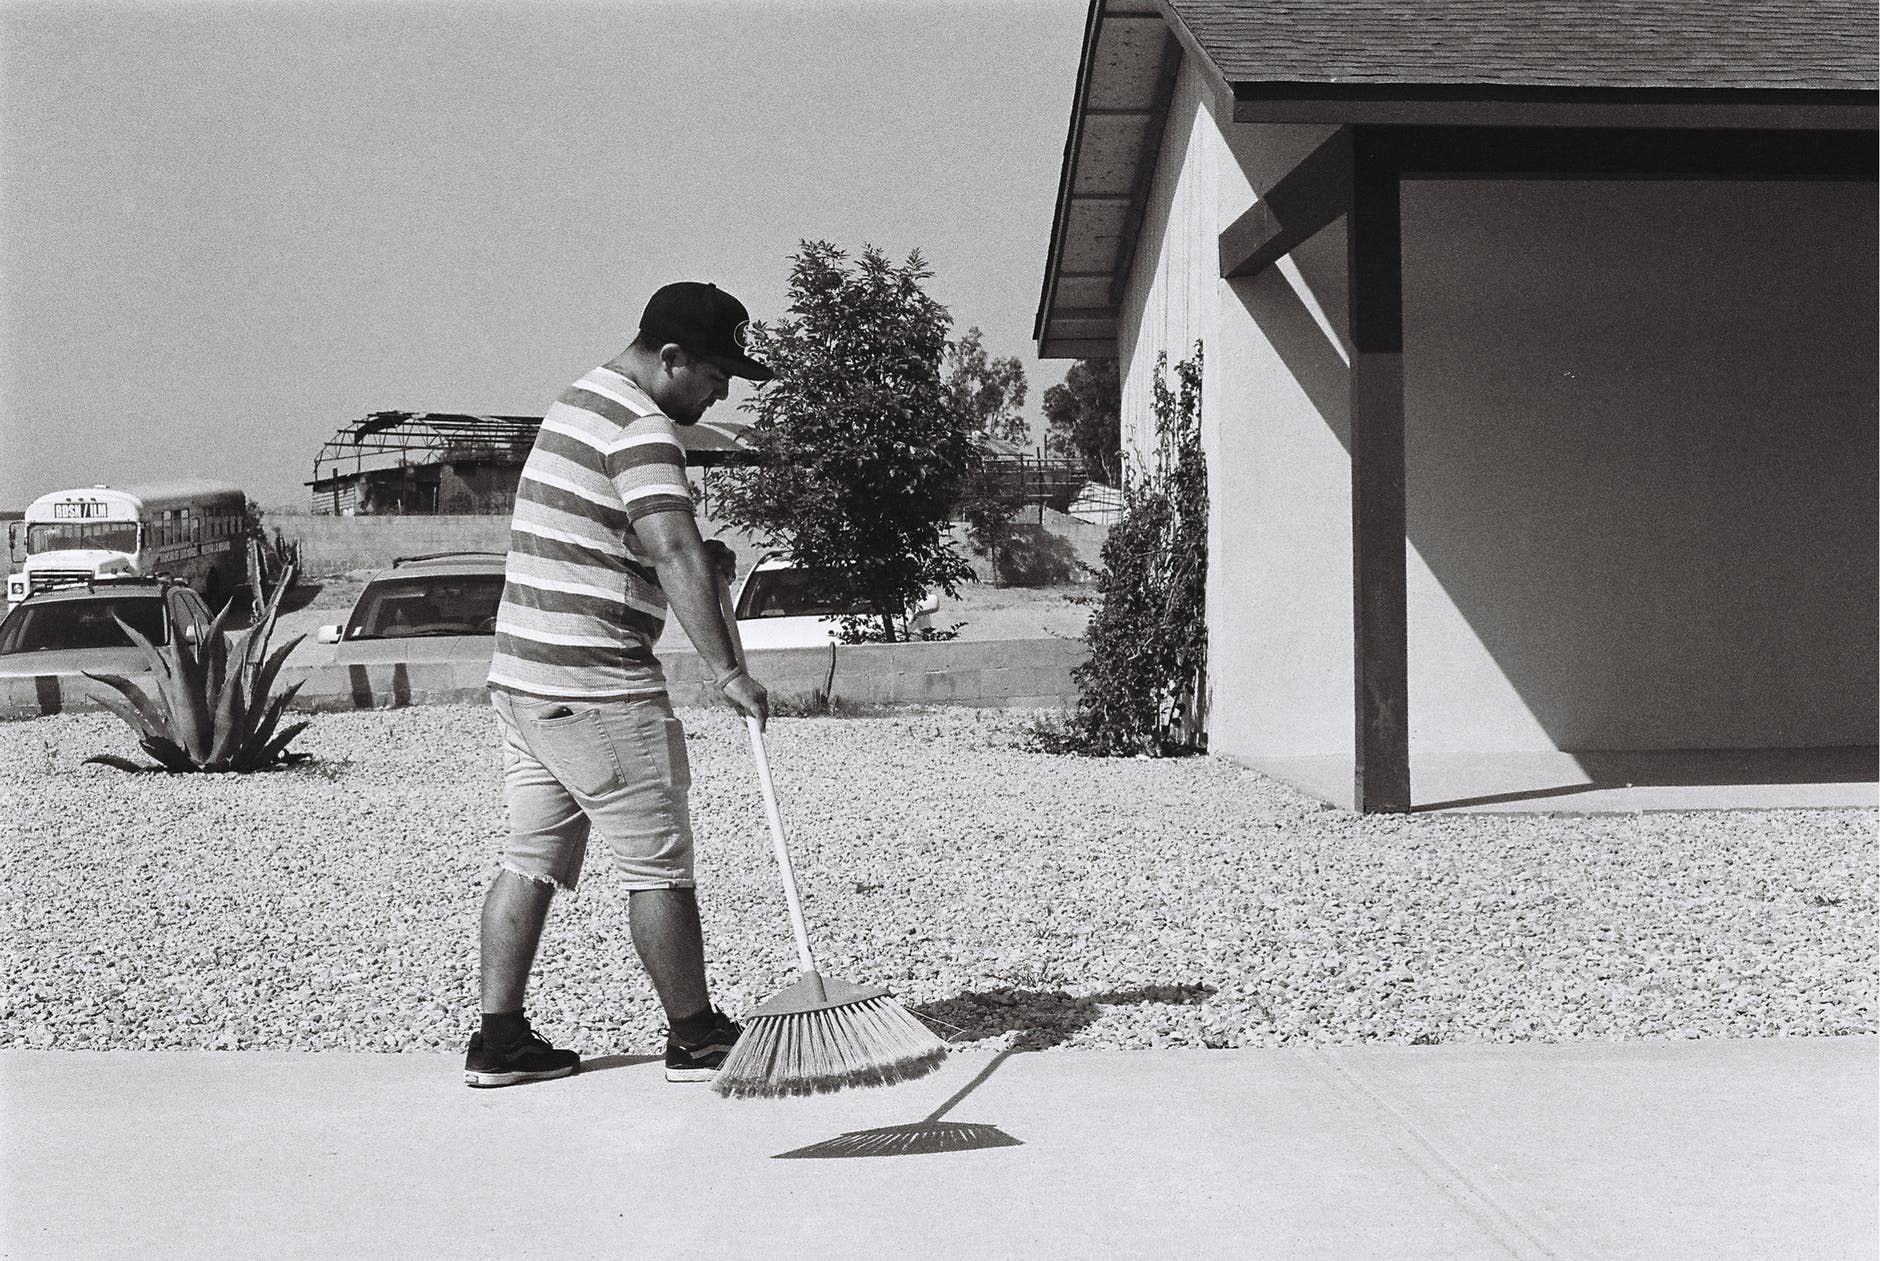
<point x="617" y="768"/>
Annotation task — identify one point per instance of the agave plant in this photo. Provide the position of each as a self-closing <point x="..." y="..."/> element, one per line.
<point x="214" y="708"/>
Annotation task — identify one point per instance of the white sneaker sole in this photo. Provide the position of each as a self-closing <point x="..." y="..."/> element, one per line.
<point x="691" y="1074"/>
<point x="486" y="1080"/>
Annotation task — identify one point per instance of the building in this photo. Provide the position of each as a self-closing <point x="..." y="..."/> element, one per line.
<point x="433" y="463"/>
<point x="1540" y="392"/>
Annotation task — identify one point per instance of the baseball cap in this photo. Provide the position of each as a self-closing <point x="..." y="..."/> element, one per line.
<point x="705" y="320"/>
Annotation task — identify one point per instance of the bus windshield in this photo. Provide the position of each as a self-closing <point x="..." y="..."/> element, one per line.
<point x="59" y="536"/>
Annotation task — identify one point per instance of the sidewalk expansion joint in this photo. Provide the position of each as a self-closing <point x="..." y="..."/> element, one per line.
<point x="1521" y="1231"/>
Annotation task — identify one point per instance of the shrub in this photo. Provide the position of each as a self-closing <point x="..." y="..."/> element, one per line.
<point x="1142" y="690"/>
<point x="214" y="710"/>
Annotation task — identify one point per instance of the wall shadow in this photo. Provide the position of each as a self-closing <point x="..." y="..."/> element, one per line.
<point x="1311" y="358"/>
<point x="1697" y="768"/>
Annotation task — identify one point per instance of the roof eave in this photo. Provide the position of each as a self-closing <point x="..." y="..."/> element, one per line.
<point x="1542" y="105"/>
<point x="1067" y="170"/>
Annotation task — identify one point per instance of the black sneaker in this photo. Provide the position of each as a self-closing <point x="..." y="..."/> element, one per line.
<point x="530" y="1059"/>
<point x="700" y="1061"/>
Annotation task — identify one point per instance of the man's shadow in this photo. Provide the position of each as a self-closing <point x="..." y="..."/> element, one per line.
<point x="1040" y="1019"/>
<point x="602" y="1063"/>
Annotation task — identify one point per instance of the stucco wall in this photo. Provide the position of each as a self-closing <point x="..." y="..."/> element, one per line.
<point x="1641" y="449"/>
<point x="1274" y="403"/>
<point x="1640" y="446"/>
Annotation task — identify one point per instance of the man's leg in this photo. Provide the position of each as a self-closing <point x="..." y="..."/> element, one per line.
<point x="671" y="944"/>
<point x="514" y="911"/>
<point x="547" y="839"/>
<point x="666" y="933"/>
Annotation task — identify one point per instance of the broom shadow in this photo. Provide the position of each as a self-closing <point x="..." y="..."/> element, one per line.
<point x="1040" y="1019"/>
<point x="921" y="1138"/>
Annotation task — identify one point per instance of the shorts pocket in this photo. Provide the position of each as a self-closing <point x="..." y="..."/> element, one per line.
<point x="576" y="750"/>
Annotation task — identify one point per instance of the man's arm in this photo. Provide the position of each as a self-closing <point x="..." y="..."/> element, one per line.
<point x="690" y="580"/>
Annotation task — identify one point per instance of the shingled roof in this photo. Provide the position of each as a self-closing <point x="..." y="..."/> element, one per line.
<point x="1669" y="64"/>
<point x="1704" y="44"/>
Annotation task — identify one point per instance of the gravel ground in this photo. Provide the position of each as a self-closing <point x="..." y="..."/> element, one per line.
<point x="1003" y="894"/>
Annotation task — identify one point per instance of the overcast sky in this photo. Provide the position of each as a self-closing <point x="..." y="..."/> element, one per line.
<point x="230" y="229"/>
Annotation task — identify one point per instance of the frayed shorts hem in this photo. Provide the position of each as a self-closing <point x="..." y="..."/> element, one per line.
<point x="536" y="877"/>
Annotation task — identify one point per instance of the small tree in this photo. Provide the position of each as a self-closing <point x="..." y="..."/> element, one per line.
<point x="1142" y="689"/>
<point x="1083" y="419"/>
<point x="987" y="392"/>
<point x="861" y="456"/>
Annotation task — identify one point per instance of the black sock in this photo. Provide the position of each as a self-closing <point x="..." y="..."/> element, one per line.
<point x="693" y="1029"/>
<point x="503" y="1028"/>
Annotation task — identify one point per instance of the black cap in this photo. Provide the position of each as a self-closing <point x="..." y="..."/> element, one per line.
<point x="705" y="320"/>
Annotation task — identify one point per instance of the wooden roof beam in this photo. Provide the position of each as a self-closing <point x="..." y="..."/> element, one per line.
<point x="1306" y="199"/>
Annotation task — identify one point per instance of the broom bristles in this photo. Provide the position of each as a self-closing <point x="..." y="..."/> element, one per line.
<point x="876" y="1042"/>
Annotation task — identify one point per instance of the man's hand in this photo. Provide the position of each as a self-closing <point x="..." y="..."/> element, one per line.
<point x="746" y="695"/>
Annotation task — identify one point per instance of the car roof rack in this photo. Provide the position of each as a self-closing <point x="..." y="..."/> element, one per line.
<point x="412" y="560"/>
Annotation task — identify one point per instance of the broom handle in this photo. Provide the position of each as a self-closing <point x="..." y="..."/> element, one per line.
<point x="782" y="851"/>
<point x="777" y="844"/>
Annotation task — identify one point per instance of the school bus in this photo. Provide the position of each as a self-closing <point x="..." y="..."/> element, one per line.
<point x="195" y="533"/>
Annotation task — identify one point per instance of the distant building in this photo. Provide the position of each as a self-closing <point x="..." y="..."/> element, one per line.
<point x="1032" y="478"/>
<point x="452" y="463"/>
<point x="434" y="463"/>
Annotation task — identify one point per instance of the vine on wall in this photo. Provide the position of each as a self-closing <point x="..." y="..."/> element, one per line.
<point x="1143" y="690"/>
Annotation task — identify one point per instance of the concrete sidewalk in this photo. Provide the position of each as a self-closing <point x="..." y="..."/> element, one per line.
<point x="1597" y="1150"/>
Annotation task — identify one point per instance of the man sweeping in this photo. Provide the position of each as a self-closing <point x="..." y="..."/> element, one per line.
<point x="603" y="541"/>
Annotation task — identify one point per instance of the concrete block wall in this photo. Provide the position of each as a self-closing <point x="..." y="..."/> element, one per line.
<point x="1027" y="673"/>
<point x="336" y="545"/>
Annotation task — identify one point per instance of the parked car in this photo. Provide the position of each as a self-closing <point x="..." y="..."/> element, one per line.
<point x="440" y="607"/>
<point x="775" y="610"/>
<point x="71" y="630"/>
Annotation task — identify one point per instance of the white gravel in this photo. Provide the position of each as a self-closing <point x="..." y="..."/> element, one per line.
<point x="1004" y="894"/>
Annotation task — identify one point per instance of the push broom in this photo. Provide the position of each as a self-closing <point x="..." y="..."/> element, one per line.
<point x="821" y="1034"/>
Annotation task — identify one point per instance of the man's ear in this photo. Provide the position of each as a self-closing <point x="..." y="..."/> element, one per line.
<point x="672" y="357"/>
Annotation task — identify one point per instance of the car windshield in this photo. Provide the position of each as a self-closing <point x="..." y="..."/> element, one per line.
<point x="60" y="624"/>
<point x="784" y="593"/>
<point x="431" y="604"/>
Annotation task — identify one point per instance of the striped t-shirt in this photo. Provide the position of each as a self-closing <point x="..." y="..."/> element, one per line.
<point x="581" y="604"/>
